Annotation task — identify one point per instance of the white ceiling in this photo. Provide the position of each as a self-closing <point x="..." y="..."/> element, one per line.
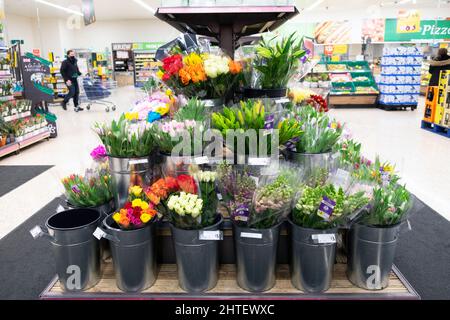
<point x="128" y="9"/>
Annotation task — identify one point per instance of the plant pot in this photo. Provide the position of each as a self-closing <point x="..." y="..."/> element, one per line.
<point x="311" y="162"/>
<point x="371" y="252"/>
<point x="197" y="260"/>
<point x="76" y="251"/>
<point x="312" y="263"/>
<point x="133" y="255"/>
<point x="3" y="141"/>
<point x="127" y="172"/>
<point x="264" y="93"/>
<point x="12" y="138"/>
<point x="256" y="257"/>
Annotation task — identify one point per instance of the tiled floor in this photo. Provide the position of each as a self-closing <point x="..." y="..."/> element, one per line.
<point x="422" y="157"/>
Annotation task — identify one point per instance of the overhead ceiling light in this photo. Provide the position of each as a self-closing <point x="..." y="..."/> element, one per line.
<point x="405" y="1"/>
<point x="315" y="4"/>
<point x="144" y="5"/>
<point x="56" y="6"/>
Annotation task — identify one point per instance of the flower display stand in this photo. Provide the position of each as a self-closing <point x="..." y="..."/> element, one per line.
<point x="166" y="285"/>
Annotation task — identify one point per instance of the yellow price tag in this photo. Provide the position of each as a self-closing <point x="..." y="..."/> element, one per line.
<point x="335" y="58"/>
<point x="340" y="49"/>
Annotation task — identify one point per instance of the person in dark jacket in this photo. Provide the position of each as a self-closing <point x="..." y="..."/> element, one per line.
<point x="70" y="72"/>
<point x="441" y="62"/>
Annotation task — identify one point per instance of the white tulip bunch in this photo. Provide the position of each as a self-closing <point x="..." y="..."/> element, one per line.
<point x="206" y="176"/>
<point x="186" y="204"/>
<point x="215" y="65"/>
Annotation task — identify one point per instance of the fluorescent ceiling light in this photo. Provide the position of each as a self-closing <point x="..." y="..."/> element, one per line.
<point x="56" y="6"/>
<point x="315" y="4"/>
<point x="144" y="5"/>
<point x="405" y="1"/>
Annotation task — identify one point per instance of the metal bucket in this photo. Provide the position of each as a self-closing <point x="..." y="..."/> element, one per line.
<point x="76" y="251"/>
<point x="175" y="165"/>
<point x="371" y="252"/>
<point x="133" y="254"/>
<point x="105" y="210"/>
<point x="126" y="172"/>
<point x="312" y="263"/>
<point x="312" y="163"/>
<point x="197" y="260"/>
<point x="256" y="257"/>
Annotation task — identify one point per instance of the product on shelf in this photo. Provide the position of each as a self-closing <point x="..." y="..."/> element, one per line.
<point x="337" y="67"/>
<point x="341" y="77"/>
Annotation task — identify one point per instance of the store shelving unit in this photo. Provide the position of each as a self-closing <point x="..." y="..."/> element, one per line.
<point x="351" y="83"/>
<point x="29" y="140"/>
<point x="123" y="64"/>
<point x="145" y="65"/>
<point x="59" y="87"/>
<point x="400" y="78"/>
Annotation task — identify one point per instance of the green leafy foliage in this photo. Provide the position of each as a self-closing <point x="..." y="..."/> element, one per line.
<point x="193" y="110"/>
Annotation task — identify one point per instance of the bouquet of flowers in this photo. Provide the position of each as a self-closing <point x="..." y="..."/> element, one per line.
<point x="137" y="212"/>
<point x="207" y="76"/>
<point x="126" y="137"/>
<point x="327" y="204"/>
<point x="320" y="133"/>
<point x="155" y="106"/>
<point x="94" y="188"/>
<point x="391" y="205"/>
<point x="168" y="134"/>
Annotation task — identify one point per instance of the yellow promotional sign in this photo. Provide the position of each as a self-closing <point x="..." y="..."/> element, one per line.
<point x="443" y="45"/>
<point x="408" y="21"/>
<point x="340" y="49"/>
<point x="336" y="58"/>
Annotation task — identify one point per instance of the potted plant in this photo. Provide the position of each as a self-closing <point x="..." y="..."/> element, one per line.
<point x="372" y="241"/>
<point x="321" y="207"/>
<point x="189" y="203"/>
<point x="256" y="230"/>
<point x="131" y="235"/>
<point x="314" y="148"/>
<point x="129" y="145"/>
<point x="273" y="66"/>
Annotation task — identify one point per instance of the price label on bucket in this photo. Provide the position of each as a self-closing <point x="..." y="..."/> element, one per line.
<point x="99" y="233"/>
<point x="210" y="235"/>
<point x="36" y="232"/>
<point x="282" y="100"/>
<point x="324" y="238"/>
<point x="137" y="161"/>
<point x="251" y="235"/>
<point x="201" y="160"/>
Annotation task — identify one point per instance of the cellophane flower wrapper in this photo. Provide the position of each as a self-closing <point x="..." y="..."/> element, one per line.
<point x="391" y="204"/>
<point x="94" y="187"/>
<point x="334" y="201"/>
<point x="272" y="200"/>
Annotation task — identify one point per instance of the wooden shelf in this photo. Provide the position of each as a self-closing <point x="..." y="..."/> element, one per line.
<point x="166" y="287"/>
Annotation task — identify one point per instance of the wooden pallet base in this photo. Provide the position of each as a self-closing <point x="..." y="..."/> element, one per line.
<point x="166" y="287"/>
<point x="436" y="128"/>
<point x="389" y="107"/>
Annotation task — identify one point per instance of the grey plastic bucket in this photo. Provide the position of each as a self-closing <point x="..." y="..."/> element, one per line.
<point x="256" y="257"/>
<point x="371" y="252"/>
<point x="197" y="260"/>
<point x="133" y="255"/>
<point x="126" y="172"/>
<point x="312" y="263"/>
<point x="76" y="251"/>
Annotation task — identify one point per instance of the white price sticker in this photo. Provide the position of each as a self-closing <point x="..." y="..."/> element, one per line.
<point x="137" y="161"/>
<point x="99" y="233"/>
<point x="59" y="209"/>
<point x="251" y="235"/>
<point x="36" y="232"/>
<point x="283" y="100"/>
<point x="219" y="197"/>
<point x="258" y="161"/>
<point x="201" y="160"/>
<point x="210" y="235"/>
<point x="324" y="238"/>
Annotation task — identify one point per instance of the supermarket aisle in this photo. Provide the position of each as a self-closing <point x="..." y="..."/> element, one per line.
<point x="395" y="136"/>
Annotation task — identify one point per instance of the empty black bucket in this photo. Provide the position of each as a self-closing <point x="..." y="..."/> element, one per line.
<point x="312" y="262"/>
<point x="197" y="260"/>
<point x="133" y="254"/>
<point x="256" y="257"/>
<point x="76" y="251"/>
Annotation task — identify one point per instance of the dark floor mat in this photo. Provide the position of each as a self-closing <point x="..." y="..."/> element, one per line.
<point x="12" y="177"/>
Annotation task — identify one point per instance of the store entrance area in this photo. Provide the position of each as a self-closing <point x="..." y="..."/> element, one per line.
<point x="260" y="151"/>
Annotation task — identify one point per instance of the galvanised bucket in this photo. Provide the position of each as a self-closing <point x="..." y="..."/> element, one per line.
<point x="76" y="250"/>
<point x="133" y="254"/>
<point x="197" y="260"/>
<point x="256" y="257"/>
<point x="371" y="253"/>
<point x="311" y="262"/>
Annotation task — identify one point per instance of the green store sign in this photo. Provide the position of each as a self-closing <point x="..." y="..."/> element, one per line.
<point x="147" y="45"/>
<point x="429" y="30"/>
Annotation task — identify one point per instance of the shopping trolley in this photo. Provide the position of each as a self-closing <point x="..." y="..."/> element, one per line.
<point x="95" y="91"/>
